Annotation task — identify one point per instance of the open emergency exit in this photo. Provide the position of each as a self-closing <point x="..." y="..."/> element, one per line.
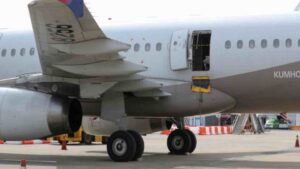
<point x="190" y="50"/>
<point x="200" y="56"/>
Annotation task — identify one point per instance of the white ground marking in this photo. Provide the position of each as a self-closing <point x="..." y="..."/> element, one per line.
<point x="28" y="166"/>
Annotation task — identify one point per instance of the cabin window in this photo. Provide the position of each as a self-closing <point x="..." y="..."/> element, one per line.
<point x="136" y="47"/>
<point x="288" y="43"/>
<point x="228" y="44"/>
<point x="239" y="44"/>
<point x="158" y="46"/>
<point x="3" y="53"/>
<point x="276" y="43"/>
<point x="31" y="52"/>
<point x="22" y="51"/>
<point x="264" y="43"/>
<point x="147" y="47"/>
<point x="13" y="52"/>
<point x="251" y="44"/>
<point x="201" y="50"/>
<point x="298" y="42"/>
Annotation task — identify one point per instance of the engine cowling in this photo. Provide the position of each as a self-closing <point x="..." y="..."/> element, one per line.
<point x="96" y="126"/>
<point x="28" y="114"/>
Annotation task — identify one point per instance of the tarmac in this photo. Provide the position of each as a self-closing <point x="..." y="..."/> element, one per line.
<point x="274" y="149"/>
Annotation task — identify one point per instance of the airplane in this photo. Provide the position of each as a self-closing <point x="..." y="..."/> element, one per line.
<point x="137" y="79"/>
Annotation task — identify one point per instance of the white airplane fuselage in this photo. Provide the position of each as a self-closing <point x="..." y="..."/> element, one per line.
<point x="260" y="74"/>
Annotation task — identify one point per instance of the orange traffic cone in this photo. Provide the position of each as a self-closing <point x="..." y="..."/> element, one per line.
<point x="64" y="145"/>
<point x="23" y="164"/>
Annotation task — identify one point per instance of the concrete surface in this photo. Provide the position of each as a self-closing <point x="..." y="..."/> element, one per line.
<point x="274" y="149"/>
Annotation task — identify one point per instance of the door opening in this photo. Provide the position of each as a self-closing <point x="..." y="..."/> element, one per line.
<point x="201" y="50"/>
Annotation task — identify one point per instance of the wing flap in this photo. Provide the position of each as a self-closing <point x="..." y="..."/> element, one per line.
<point x="108" y="68"/>
<point x="92" y="47"/>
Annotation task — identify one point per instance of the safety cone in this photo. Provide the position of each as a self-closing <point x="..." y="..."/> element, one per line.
<point x="23" y="164"/>
<point x="297" y="142"/>
<point x="64" y="145"/>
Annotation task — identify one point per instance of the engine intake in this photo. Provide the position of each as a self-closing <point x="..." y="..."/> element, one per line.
<point x="28" y="114"/>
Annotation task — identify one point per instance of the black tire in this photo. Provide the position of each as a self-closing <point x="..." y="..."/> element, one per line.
<point x="121" y="146"/>
<point x="193" y="141"/>
<point x="140" y="145"/>
<point x="179" y="142"/>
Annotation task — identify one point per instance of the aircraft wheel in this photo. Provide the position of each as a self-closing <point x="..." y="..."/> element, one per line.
<point x="193" y="141"/>
<point x="179" y="142"/>
<point x="139" y="144"/>
<point x="121" y="146"/>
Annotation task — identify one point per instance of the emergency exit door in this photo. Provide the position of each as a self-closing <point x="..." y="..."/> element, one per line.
<point x="178" y="50"/>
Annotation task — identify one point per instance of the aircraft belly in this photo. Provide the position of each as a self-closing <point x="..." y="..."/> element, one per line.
<point x="182" y="102"/>
<point x="270" y="90"/>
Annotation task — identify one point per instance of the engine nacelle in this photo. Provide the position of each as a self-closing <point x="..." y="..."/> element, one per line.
<point x="96" y="126"/>
<point x="28" y="114"/>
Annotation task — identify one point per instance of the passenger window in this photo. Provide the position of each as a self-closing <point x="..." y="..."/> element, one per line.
<point x="288" y="43"/>
<point x="276" y="43"/>
<point x="158" y="46"/>
<point x="147" y="47"/>
<point x="251" y="44"/>
<point x="22" y="51"/>
<point x="32" y="51"/>
<point x="239" y="44"/>
<point x="228" y="44"/>
<point x="13" y="52"/>
<point x="3" y="53"/>
<point x="298" y="42"/>
<point x="136" y="47"/>
<point x="264" y="43"/>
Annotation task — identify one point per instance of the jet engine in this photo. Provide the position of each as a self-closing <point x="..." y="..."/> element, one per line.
<point x="28" y="114"/>
<point x="94" y="125"/>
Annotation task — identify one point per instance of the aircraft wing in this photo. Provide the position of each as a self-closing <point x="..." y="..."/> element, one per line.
<point x="71" y="44"/>
<point x="74" y="52"/>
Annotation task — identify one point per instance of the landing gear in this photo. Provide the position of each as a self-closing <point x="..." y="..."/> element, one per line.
<point x="140" y="146"/>
<point x="193" y="141"/>
<point x="125" y="146"/>
<point x="179" y="142"/>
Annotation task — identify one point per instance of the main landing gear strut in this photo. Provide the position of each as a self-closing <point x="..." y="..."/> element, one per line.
<point x="123" y="145"/>
<point x="181" y="140"/>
